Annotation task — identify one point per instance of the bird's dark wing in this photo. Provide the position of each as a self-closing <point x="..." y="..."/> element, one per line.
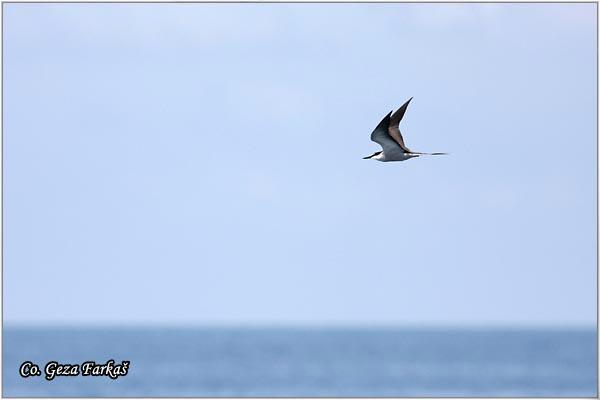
<point x="394" y="128"/>
<point x="381" y="136"/>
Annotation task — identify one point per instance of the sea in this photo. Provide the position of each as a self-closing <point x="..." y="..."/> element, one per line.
<point x="305" y="362"/>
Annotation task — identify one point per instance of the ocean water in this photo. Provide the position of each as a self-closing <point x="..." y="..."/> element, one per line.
<point x="213" y="362"/>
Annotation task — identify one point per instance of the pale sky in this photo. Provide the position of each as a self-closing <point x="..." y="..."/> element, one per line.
<point x="202" y="164"/>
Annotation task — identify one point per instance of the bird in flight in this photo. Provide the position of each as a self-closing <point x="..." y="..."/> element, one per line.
<point x="388" y="136"/>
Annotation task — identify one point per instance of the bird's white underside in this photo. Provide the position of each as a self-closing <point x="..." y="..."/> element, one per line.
<point x="396" y="156"/>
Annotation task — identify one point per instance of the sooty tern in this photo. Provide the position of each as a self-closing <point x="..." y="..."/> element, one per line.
<point x="388" y="136"/>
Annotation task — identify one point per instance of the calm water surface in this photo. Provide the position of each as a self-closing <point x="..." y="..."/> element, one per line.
<point x="308" y="362"/>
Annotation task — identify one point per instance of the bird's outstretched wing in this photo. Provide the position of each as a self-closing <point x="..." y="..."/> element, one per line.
<point x="381" y="136"/>
<point x="394" y="128"/>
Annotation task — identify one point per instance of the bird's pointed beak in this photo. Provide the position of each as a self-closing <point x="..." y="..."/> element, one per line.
<point x="367" y="157"/>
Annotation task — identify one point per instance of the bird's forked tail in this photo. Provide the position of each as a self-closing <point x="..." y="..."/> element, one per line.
<point x="432" y="154"/>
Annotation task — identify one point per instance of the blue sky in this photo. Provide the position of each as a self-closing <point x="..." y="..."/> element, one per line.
<point x="201" y="164"/>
